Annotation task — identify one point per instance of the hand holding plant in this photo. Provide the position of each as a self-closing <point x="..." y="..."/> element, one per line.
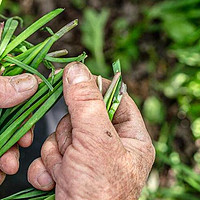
<point x="15" y="90"/>
<point x="88" y="157"/>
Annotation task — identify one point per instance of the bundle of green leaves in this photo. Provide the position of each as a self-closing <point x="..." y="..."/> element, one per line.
<point x="18" y="56"/>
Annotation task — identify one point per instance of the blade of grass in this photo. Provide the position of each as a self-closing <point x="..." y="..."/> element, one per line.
<point x="35" y="97"/>
<point x="27" y="194"/>
<point x="8" y="35"/>
<point x="39" y="58"/>
<point x="117" y="92"/>
<point x="29" y="69"/>
<point x="7" y="112"/>
<point x="8" y="133"/>
<point x="67" y="60"/>
<point x="6" y="27"/>
<point x="59" y="53"/>
<point x="41" y="86"/>
<point x="36" y="116"/>
<point x="116" y="102"/>
<point x="1" y="111"/>
<point x="18" y="193"/>
<point x="28" y="56"/>
<point x="52" y="197"/>
<point x="31" y="29"/>
<point x="112" y="86"/>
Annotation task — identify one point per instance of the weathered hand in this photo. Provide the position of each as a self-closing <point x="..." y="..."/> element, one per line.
<point x="14" y="90"/>
<point x="88" y="157"/>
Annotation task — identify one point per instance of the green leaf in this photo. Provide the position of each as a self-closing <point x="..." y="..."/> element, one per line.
<point x="30" y="193"/>
<point x="93" y="39"/>
<point x="39" y="58"/>
<point x="31" y="29"/>
<point x="36" y="116"/>
<point x="42" y="89"/>
<point x="67" y="60"/>
<point x="28" y="69"/>
<point x="8" y="35"/>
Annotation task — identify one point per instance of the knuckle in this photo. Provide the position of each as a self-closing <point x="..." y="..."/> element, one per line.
<point x="85" y="92"/>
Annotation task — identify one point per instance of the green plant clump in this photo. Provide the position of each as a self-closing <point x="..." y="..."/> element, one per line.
<point x="18" y="56"/>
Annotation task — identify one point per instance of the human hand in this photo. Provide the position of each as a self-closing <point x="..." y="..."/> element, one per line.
<point x="88" y="157"/>
<point x="15" y="90"/>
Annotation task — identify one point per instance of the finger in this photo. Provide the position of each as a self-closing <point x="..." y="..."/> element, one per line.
<point x="64" y="134"/>
<point x="16" y="89"/>
<point x="27" y="139"/>
<point x="9" y="162"/>
<point x="39" y="177"/>
<point x="86" y="107"/>
<point x="2" y="177"/>
<point x="51" y="156"/>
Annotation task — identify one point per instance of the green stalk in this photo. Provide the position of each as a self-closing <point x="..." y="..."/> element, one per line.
<point x="1" y="112"/>
<point x="29" y="69"/>
<point x="67" y="60"/>
<point x="39" y="58"/>
<point x="8" y="36"/>
<point x="28" y="59"/>
<point x="116" y="101"/>
<point x="4" y="137"/>
<point x="6" y="27"/>
<point x="110" y="90"/>
<point x="30" y="194"/>
<point x="36" y="116"/>
<point x="34" y="98"/>
<point x="31" y="29"/>
<point x="59" y="53"/>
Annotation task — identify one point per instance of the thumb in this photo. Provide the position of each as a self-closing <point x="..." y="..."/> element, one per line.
<point x="16" y="89"/>
<point x="85" y="104"/>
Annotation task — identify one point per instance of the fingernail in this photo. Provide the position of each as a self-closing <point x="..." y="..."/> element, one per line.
<point x="23" y="82"/>
<point x="44" y="179"/>
<point x="78" y="73"/>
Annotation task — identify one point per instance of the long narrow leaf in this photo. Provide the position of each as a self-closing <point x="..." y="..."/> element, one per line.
<point x="29" y="69"/>
<point x="32" y="29"/>
<point x="8" y="35"/>
<point x="39" y="58"/>
<point x="6" y="27"/>
<point x="36" y="116"/>
<point x="23" y="108"/>
<point x="18" y="193"/>
<point x="7" y="134"/>
<point x="67" y="60"/>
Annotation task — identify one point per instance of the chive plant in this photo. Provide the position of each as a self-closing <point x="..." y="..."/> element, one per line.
<point x="17" y="56"/>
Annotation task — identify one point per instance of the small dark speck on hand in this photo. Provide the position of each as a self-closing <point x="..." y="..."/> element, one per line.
<point x="109" y="133"/>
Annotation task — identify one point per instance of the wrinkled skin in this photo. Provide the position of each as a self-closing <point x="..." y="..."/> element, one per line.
<point x="88" y="157"/>
<point x="14" y="90"/>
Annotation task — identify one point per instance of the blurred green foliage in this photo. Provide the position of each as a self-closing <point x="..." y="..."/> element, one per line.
<point x="93" y="39"/>
<point x="154" y="110"/>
